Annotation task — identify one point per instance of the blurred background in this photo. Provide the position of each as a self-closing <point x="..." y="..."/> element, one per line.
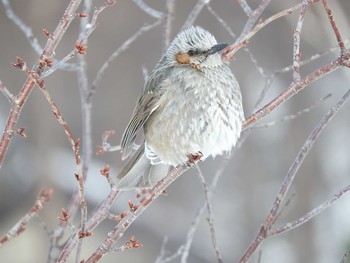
<point x="253" y="175"/>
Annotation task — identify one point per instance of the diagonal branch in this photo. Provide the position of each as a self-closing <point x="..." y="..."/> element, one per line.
<point x="9" y="96"/>
<point x="253" y="17"/>
<point x="22" y="26"/>
<point x="311" y="214"/>
<point x="274" y="211"/>
<point x="292" y="90"/>
<point x="19" y="228"/>
<point x="117" y="52"/>
<point x="243" y="40"/>
<point x="136" y="210"/>
<point x="29" y="84"/>
<point x="296" y="45"/>
<point x="334" y="26"/>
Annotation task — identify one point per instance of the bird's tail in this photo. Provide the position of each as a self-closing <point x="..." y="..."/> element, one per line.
<point x="139" y="173"/>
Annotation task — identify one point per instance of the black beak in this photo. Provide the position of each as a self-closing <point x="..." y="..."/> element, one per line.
<point x="217" y="48"/>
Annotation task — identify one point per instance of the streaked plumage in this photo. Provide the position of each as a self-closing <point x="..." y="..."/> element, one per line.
<point x="191" y="104"/>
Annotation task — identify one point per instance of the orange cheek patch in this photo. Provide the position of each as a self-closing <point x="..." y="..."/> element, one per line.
<point x="182" y="58"/>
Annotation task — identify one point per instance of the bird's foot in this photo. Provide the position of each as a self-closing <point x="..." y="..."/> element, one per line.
<point x="193" y="158"/>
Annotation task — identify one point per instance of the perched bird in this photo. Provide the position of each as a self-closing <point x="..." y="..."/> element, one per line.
<point x="191" y="107"/>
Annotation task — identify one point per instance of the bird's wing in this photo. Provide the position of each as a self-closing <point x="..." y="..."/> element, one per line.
<point x="139" y="173"/>
<point x="146" y="104"/>
<point x="138" y="158"/>
<point x="144" y="108"/>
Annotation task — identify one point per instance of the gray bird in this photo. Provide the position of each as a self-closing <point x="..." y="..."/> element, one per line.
<point x="191" y="107"/>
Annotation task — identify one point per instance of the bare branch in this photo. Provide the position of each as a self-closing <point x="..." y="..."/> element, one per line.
<point x="135" y="212"/>
<point x="294" y="116"/>
<point x="22" y="26"/>
<point x="85" y="30"/>
<point x="334" y="26"/>
<point x="149" y="10"/>
<point x="27" y="87"/>
<point x="233" y="35"/>
<point x="60" y="64"/>
<point x="170" y="5"/>
<point x="195" y="13"/>
<point x="42" y="198"/>
<point x="185" y="249"/>
<point x="269" y="80"/>
<point x="292" y="90"/>
<point x="74" y="143"/>
<point x="210" y="216"/>
<point x="117" y="52"/>
<point x="308" y="216"/>
<point x="246" y="8"/>
<point x="296" y="45"/>
<point x="33" y="41"/>
<point x="9" y="96"/>
<point x="253" y="17"/>
<point x="244" y="38"/>
<point x="221" y="21"/>
<point x="94" y="221"/>
<point x="274" y="211"/>
<point x="106" y="147"/>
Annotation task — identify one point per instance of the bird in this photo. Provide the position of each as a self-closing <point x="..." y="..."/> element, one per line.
<point x="190" y="108"/>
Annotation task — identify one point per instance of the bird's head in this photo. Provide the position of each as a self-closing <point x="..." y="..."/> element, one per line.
<point x="195" y="47"/>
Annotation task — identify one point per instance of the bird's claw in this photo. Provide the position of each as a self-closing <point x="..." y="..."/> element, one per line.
<point x="193" y="158"/>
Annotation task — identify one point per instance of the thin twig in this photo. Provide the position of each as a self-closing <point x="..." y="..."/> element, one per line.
<point x="244" y="38"/>
<point x="86" y="31"/>
<point x="334" y="26"/>
<point x="117" y="52"/>
<point x="246" y="8"/>
<point x="33" y="41"/>
<point x="149" y="10"/>
<point x="114" y="235"/>
<point x="269" y="80"/>
<point x="292" y="90"/>
<point x="308" y="216"/>
<point x="253" y="17"/>
<point x="296" y="45"/>
<point x="274" y="211"/>
<point x="170" y="6"/>
<point x="98" y="216"/>
<point x="210" y="218"/>
<point x="200" y="211"/>
<point x="161" y="257"/>
<point x="59" y="64"/>
<point x="42" y="198"/>
<point x="29" y="84"/>
<point x="233" y="35"/>
<point x="85" y="103"/>
<point x="294" y="116"/>
<point x="106" y="147"/>
<point x="9" y="96"/>
<point x="79" y="196"/>
<point x="86" y="128"/>
<point x="74" y="143"/>
<point x="221" y="21"/>
<point x="195" y="13"/>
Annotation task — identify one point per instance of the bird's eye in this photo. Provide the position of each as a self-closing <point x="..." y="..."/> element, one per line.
<point x="191" y="52"/>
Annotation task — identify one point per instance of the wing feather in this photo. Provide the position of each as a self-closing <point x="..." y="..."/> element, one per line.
<point x="145" y="106"/>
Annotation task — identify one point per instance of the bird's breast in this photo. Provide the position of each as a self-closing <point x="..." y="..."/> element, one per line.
<point x="197" y="112"/>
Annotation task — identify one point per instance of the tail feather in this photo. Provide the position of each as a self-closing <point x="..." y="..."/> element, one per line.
<point x="139" y="173"/>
